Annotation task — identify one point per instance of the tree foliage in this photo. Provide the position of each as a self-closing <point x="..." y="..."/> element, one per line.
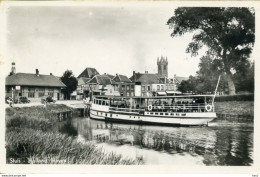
<point x="70" y="81"/>
<point x="188" y="86"/>
<point x="228" y="33"/>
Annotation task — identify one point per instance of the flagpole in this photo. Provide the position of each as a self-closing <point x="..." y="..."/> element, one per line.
<point x="216" y="89"/>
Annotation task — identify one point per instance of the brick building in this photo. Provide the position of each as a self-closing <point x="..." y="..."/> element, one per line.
<point x="34" y="86"/>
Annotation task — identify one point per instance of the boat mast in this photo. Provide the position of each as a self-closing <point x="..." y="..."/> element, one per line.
<point x="216" y="89"/>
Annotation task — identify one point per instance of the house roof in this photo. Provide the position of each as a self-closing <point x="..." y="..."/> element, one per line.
<point x="102" y="80"/>
<point x="26" y="79"/>
<point x="108" y="75"/>
<point x="121" y="78"/>
<point x="146" y="78"/>
<point x="89" y="73"/>
<point x="179" y="79"/>
<point x="83" y="80"/>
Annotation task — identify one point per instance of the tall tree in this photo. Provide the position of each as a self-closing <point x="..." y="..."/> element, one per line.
<point x="188" y="86"/>
<point x="70" y="81"/>
<point x="208" y="76"/>
<point x="228" y="33"/>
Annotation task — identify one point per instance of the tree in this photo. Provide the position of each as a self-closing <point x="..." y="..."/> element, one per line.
<point x="208" y="76"/>
<point x="71" y="82"/>
<point x="188" y="86"/>
<point x="228" y="33"/>
<point x="245" y="81"/>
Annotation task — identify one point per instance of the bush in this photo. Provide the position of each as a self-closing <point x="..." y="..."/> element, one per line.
<point x="242" y="97"/>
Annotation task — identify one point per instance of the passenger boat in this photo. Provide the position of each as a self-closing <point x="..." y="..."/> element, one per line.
<point x="182" y="110"/>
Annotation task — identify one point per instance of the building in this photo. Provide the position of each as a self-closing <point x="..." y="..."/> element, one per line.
<point x="82" y="88"/>
<point x="126" y="86"/>
<point x="149" y="84"/>
<point x="144" y="83"/>
<point x="103" y="85"/>
<point x="89" y="73"/>
<point x="34" y="86"/>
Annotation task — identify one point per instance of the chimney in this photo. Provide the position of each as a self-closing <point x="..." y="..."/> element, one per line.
<point x="51" y="74"/>
<point x="37" y="72"/>
<point x="146" y="72"/>
<point x="13" y="70"/>
<point x="134" y="77"/>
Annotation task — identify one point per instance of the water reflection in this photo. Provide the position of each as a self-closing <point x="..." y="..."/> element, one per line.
<point x="221" y="143"/>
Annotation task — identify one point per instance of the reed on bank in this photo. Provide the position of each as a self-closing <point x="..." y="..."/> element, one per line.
<point x="32" y="137"/>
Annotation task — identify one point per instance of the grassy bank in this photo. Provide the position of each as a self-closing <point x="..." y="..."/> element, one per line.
<point x="245" y="108"/>
<point x="32" y="137"/>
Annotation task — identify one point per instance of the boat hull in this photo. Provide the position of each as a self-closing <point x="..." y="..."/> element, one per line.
<point x="164" y="118"/>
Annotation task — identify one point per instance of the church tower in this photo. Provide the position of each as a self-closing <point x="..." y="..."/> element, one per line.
<point x="162" y="64"/>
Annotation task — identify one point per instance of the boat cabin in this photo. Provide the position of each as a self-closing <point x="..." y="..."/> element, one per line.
<point x="185" y="103"/>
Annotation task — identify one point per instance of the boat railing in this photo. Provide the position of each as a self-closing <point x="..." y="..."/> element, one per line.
<point x="199" y="106"/>
<point x="126" y="109"/>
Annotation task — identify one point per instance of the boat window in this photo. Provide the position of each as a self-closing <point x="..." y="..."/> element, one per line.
<point x="148" y="113"/>
<point x="111" y="115"/>
<point x="103" y="102"/>
<point x="156" y="113"/>
<point x="151" y="113"/>
<point x="166" y="114"/>
<point x="161" y="113"/>
<point x="172" y="114"/>
<point x="106" y="114"/>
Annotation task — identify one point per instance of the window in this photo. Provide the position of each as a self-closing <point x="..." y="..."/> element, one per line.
<point x="127" y="87"/>
<point x="143" y="88"/>
<point x="40" y="94"/>
<point x="148" y="88"/>
<point x="132" y="94"/>
<point x="116" y="88"/>
<point x="164" y="67"/>
<point x="123" y="87"/>
<point x="31" y="94"/>
<point x="158" y="87"/>
<point x="161" y="87"/>
<point x="132" y="86"/>
<point x="50" y="94"/>
<point x="161" y="113"/>
<point x="127" y="94"/>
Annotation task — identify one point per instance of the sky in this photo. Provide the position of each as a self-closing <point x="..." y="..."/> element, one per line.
<point x="113" y="39"/>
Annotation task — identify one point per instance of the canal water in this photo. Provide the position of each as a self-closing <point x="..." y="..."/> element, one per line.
<point x="222" y="143"/>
